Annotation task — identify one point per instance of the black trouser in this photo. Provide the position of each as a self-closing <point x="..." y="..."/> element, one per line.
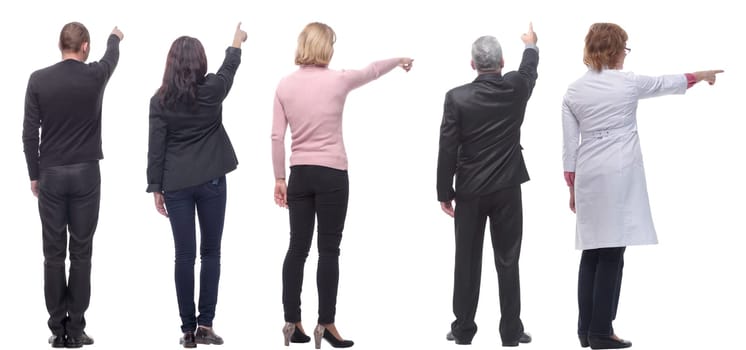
<point x="69" y="197"/>
<point x="599" y="284"/>
<point x="209" y="200"/>
<point x="321" y="193"/>
<point x="504" y="208"/>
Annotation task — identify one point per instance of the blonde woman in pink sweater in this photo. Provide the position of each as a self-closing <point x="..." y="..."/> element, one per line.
<point x="311" y="101"/>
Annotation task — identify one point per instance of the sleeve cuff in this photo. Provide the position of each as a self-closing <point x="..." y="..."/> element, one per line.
<point x="154" y="188"/>
<point x="690" y="80"/>
<point x="446" y="197"/>
<point x="532" y="46"/>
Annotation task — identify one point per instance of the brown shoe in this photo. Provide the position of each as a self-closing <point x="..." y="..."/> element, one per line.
<point x="205" y="335"/>
<point x="187" y="340"/>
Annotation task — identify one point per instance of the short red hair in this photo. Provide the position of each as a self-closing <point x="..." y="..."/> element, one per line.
<point x="604" y="44"/>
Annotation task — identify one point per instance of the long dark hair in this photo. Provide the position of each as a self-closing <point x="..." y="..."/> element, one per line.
<point x="186" y="67"/>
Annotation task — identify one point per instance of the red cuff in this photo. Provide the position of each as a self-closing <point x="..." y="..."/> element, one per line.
<point x="690" y="80"/>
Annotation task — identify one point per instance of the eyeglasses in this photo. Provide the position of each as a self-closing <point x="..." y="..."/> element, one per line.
<point x="627" y="50"/>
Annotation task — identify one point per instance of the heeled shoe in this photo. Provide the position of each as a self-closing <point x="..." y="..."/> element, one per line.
<point x="608" y="342"/>
<point x="299" y="337"/>
<point x="287" y="331"/>
<point x="292" y="334"/>
<point x="320" y="332"/>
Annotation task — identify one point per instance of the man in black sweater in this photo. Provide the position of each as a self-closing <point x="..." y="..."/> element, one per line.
<point x="64" y="102"/>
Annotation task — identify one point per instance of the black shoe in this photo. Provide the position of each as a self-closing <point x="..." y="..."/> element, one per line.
<point x="207" y="336"/>
<point x="79" y="341"/>
<point x="299" y="337"/>
<point x="85" y="339"/>
<point x="583" y="341"/>
<point x="188" y="340"/>
<point x="607" y="342"/>
<point x="293" y="335"/>
<point x="320" y="332"/>
<point x="73" y="342"/>
<point x="525" y="338"/>
<point x="57" y="341"/>
<point x="451" y="337"/>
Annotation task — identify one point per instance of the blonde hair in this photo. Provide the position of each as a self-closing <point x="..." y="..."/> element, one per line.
<point x="604" y="44"/>
<point x="315" y="45"/>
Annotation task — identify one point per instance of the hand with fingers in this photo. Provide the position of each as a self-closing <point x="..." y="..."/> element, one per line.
<point x="447" y="208"/>
<point x="530" y="36"/>
<point x="406" y="63"/>
<point x="160" y="203"/>
<point x="707" y="75"/>
<point x="35" y="188"/>
<point x="572" y="198"/>
<point x="281" y="193"/>
<point x="239" y="36"/>
<point x="118" y="33"/>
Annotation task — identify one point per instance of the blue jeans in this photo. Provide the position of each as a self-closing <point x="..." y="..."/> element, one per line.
<point x="209" y="200"/>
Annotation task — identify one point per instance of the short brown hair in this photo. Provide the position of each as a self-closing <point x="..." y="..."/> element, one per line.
<point x="604" y="44"/>
<point x="72" y="37"/>
<point x="315" y="45"/>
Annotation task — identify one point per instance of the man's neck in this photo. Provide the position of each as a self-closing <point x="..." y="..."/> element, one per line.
<point x="494" y="71"/>
<point x="72" y="56"/>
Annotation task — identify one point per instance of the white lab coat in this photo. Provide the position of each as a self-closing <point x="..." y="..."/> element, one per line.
<point x="599" y="120"/>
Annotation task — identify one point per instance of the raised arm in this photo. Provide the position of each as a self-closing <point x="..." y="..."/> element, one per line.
<point x="530" y="60"/>
<point x="358" y="78"/>
<point x="109" y="61"/>
<point x="672" y="84"/>
<point x="219" y="84"/>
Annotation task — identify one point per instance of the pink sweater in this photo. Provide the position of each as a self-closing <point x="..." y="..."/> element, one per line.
<point x="311" y="100"/>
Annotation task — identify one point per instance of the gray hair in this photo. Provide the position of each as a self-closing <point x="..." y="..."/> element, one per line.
<point x="486" y="53"/>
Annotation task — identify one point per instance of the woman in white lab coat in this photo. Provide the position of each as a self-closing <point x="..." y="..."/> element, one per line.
<point x="604" y="170"/>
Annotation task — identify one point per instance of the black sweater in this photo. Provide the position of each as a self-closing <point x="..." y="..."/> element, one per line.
<point x="64" y="101"/>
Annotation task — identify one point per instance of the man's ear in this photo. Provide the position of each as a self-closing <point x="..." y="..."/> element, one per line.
<point x="502" y="63"/>
<point x="473" y="66"/>
<point x="84" y="46"/>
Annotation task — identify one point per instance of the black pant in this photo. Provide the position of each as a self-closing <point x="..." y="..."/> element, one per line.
<point x="314" y="192"/>
<point x="209" y="199"/>
<point x="504" y="208"/>
<point x="599" y="284"/>
<point x="69" y="197"/>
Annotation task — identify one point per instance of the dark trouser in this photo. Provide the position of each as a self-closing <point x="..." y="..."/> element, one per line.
<point x="504" y="208"/>
<point x="69" y="197"/>
<point x="209" y="199"/>
<point x="599" y="284"/>
<point x="314" y="192"/>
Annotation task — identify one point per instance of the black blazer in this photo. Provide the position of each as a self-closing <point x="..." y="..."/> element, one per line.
<point x="481" y="132"/>
<point x="187" y="146"/>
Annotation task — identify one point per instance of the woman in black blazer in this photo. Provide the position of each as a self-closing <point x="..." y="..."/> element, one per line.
<point x="189" y="154"/>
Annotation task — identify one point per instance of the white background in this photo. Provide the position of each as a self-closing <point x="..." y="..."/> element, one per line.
<point x="397" y="251"/>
